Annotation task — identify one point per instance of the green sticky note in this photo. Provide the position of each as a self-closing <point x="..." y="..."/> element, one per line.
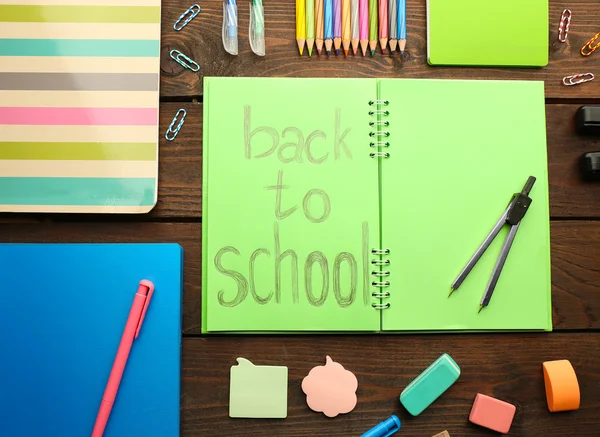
<point x="291" y="206"/>
<point x="258" y="391"/>
<point x="487" y="33"/>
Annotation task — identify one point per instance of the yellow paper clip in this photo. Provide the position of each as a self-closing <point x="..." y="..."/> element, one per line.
<point x="588" y="45"/>
<point x="576" y="79"/>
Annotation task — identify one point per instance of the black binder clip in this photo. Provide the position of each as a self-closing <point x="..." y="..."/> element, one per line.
<point x="514" y="213"/>
<point x="590" y="166"/>
<point x="588" y="120"/>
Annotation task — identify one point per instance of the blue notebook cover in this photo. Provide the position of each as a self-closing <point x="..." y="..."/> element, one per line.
<point x="63" y="308"/>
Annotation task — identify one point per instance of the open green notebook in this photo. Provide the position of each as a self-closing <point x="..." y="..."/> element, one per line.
<point x="508" y="33"/>
<point x="308" y="228"/>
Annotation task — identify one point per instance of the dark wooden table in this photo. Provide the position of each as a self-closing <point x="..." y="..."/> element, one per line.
<point x="507" y="366"/>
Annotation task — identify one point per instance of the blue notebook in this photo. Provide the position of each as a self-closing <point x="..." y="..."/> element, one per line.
<point x="63" y="308"/>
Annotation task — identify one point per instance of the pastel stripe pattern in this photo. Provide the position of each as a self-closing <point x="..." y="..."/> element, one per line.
<point x="95" y="99"/>
<point x="77" y="47"/>
<point x="49" y="64"/>
<point x="123" y="31"/>
<point x="80" y="81"/>
<point x="78" y="116"/>
<point x="76" y="191"/>
<point x="39" y="151"/>
<point x="79" y="2"/>
<point x="79" y="14"/>
<point x="79" y="102"/>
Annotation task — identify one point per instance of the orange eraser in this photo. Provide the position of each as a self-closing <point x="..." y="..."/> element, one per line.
<point x="492" y="413"/>
<point x="562" y="388"/>
<point x="442" y="434"/>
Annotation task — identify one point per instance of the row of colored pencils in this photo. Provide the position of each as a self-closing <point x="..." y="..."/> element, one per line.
<point x="350" y="24"/>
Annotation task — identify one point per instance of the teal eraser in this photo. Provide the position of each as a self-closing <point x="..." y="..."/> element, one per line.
<point x="430" y="385"/>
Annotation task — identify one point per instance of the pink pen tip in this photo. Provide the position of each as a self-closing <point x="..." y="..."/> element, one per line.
<point x="145" y="283"/>
<point x="149" y="286"/>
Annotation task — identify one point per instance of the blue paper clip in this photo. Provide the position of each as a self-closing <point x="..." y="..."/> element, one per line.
<point x="173" y="130"/>
<point x="182" y="59"/>
<point x="186" y="17"/>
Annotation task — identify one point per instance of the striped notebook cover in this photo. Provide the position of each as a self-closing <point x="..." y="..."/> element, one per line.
<point x="79" y="93"/>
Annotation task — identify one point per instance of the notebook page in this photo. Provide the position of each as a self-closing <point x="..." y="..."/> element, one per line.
<point x="459" y="150"/>
<point x="290" y="205"/>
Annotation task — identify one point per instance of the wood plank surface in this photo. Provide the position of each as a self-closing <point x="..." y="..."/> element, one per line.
<point x="505" y="366"/>
<point x="575" y="258"/>
<point x="180" y="164"/>
<point x="180" y="172"/>
<point x="201" y="40"/>
<point x="575" y="266"/>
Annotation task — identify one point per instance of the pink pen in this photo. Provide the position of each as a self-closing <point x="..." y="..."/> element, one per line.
<point x="363" y="13"/>
<point x="131" y="332"/>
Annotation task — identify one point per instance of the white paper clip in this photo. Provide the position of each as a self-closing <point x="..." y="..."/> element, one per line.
<point x="576" y="79"/>
<point x="186" y="17"/>
<point x="182" y="59"/>
<point x="175" y="125"/>
<point x="563" y="27"/>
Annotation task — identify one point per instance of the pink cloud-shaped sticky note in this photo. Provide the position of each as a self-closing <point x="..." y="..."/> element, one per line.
<point x="330" y="389"/>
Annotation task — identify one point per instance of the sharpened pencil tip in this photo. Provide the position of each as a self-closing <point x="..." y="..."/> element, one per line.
<point x="345" y="52"/>
<point x="401" y="52"/>
<point x="383" y="51"/>
<point x="301" y="43"/>
<point x="337" y="52"/>
<point x="309" y="52"/>
<point x="480" y="308"/>
<point x="451" y="291"/>
<point x="372" y="52"/>
<point x="328" y="52"/>
<point x="319" y="52"/>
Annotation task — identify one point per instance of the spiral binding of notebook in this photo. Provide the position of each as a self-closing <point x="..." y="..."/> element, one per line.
<point x="380" y="143"/>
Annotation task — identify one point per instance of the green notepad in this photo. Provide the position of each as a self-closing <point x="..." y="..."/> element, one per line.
<point x="300" y="196"/>
<point x="487" y="33"/>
